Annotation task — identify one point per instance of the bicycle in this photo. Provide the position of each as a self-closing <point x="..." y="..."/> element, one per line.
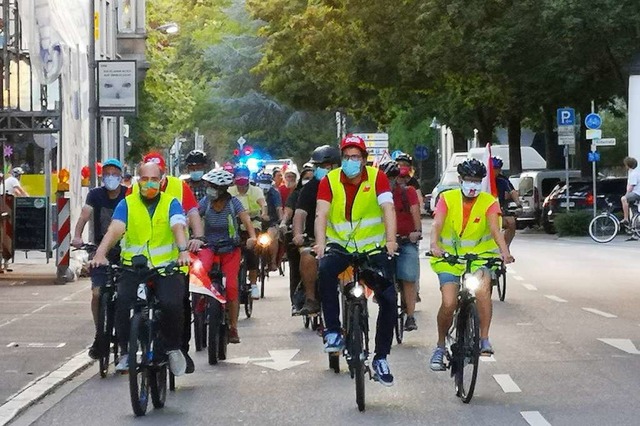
<point x="463" y="339"/>
<point x="148" y="363"/>
<point x="244" y="287"/>
<point x="402" y="306"/>
<point x="264" y="257"/>
<point x="499" y="280"/>
<point x="105" y="328"/>
<point x="604" y="227"/>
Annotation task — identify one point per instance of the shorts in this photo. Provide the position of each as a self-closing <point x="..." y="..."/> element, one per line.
<point x="632" y="197"/>
<point x="447" y="278"/>
<point x="230" y="266"/>
<point x="407" y="263"/>
<point x="99" y="276"/>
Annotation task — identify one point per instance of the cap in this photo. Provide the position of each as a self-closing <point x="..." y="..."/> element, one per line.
<point x="353" y="141"/>
<point x="112" y="162"/>
<point x="155" y="157"/>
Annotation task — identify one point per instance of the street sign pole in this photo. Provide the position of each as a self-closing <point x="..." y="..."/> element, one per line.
<point x="566" y="174"/>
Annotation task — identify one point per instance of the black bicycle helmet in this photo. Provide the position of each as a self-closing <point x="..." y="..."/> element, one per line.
<point x="404" y="157"/>
<point x="472" y="168"/>
<point x="326" y="154"/>
<point x="390" y="168"/>
<point x="196" y="157"/>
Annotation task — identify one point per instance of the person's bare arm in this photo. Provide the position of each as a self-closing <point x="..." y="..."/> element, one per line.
<point x="322" y="213"/>
<point x="496" y="233"/>
<point x="19" y="191"/>
<point x="436" y="231"/>
<point x="246" y="221"/>
<point x="195" y="223"/>
<point x="115" y="231"/>
<point x="180" y="236"/>
<point x="417" y="223"/>
<point x="85" y="216"/>
<point x="299" y="219"/>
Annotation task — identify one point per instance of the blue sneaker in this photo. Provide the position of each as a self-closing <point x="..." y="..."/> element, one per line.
<point x="333" y="342"/>
<point x="381" y="372"/>
<point x="437" y="359"/>
<point x="485" y="347"/>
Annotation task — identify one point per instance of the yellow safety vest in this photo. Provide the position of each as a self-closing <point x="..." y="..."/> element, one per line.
<point x="249" y="201"/>
<point x="366" y="229"/>
<point x="150" y="236"/>
<point x="174" y="188"/>
<point x="476" y="236"/>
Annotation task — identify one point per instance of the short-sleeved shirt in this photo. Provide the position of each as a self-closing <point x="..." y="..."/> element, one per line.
<point x="216" y="224"/>
<point x="442" y="208"/>
<point x="504" y="186"/>
<point x="10" y="184"/>
<point x="285" y="193"/>
<point x="103" y="207"/>
<point x="403" y="203"/>
<point x="188" y="201"/>
<point x="274" y="202"/>
<point x="413" y="182"/>
<point x="307" y="201"/>
<point x="176" y="214"/>
<point x="383" y="190"/>
<point x="634" y="180"/>
<point x="198" y="188"/>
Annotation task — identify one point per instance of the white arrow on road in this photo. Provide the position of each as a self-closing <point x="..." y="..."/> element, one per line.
<point x="625" y="345"/>
<point x="279" y="360"/>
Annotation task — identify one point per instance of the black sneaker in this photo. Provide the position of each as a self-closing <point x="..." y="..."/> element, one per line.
<point x="294" y="311"/>
<point x="410" y="324"/>
<point x="381" y="372"/>
<point x="94" y="352"/>
<point x="190" y="365"/>
<point x="310" y="307"/>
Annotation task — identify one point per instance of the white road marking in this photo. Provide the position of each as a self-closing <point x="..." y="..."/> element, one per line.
<point x="8" y="322"/>
<point x="40" y="308"/>
<point x="11" y="344"/>
<point x="555" y="298"/>
<point x="601" y="313"/>
<point x="37" y="345"/>
<point x="534" y="418"/>
<point x="278" y="360"/>
<point x="511" y="270"/>
<point x="506" y="383"/>
<point x="530" y="287"/>
<point x="488" y="358"/>
<point x="625" y="345"/>
<point x="518" y="278"/>
<point x="524" y="323"/>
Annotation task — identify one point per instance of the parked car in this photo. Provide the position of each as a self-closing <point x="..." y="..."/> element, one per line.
<point x="581" y="198"/>
<point x="533" y="187"/>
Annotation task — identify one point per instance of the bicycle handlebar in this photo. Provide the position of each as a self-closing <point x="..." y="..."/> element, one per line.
<point x="453" y="259"/>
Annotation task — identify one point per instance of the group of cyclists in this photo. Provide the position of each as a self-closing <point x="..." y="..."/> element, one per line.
<point x="333" y="206"/>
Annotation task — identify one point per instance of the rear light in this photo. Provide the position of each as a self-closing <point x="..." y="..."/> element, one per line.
<point x="589" y="200"/>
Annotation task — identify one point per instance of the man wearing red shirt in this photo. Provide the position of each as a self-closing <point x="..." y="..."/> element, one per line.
<point x="289" y="184"/>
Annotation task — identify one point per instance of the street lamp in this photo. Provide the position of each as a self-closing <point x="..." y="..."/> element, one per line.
<point x="169" y="28"/>
<point x="435" y="125"/>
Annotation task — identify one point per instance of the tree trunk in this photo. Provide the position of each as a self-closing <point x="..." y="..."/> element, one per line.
<point x="515" y="132"/>
<point x="552" y="150"/>
<point x="459" y="141"/>
<point x="485" y="122"/>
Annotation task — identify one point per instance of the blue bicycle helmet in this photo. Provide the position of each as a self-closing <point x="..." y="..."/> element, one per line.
<point x="497" y="162"/>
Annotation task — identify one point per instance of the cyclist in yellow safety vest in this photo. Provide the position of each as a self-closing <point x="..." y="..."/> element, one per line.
<point x="466" y="220"/>
<point x="153" y="224"/>
<point x="355" y="213"/>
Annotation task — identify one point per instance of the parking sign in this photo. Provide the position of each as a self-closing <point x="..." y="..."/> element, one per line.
<point x="566" y="116"/>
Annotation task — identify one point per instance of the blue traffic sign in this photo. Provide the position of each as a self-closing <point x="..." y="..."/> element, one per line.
<point x="421" y="152"/>
<point x="593" y="156"/>
<point x="395" y="154"/>
<point x="566" y="116"/>
<point x="593" y="121"/>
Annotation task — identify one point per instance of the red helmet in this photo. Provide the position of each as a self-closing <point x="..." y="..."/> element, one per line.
<point x="157" y="158"/>
<point x="353" y="141"/>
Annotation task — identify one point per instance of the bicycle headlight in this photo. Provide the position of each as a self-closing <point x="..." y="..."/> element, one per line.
<point x="264" y="239"/>
<point x="471" y="282"/>
<point x="357" y="291"/>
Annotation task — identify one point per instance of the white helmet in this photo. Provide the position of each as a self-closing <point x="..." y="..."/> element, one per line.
<point x="218" y="177"/>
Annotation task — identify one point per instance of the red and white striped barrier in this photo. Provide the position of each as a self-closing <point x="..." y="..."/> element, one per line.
<point x="64" y="233"/>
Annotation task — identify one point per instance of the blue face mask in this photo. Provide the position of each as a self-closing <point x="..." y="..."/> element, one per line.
<point x="197" y="175"/>
<point x="111" y="182"/>
<point x="351" y="168"/>
<point x="319" y="173"/>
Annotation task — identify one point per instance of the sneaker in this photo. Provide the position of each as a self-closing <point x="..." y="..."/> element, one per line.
<point x="94" y="353"/>
<point x="294" y="311"/>
<point x="310" y="307"/>
<point x="233" y="335"/>
<point x="437" y="359"/>
<point x="190" y="365"/>
<point x="255" y="292"/>
<point x="177" y="362"/>
<point x="381" y="372"/>
<point x="333" y="342"/>
<point x="123" y="364"/>
<point x="410" y="324"/>
<point x="485" y="347"/>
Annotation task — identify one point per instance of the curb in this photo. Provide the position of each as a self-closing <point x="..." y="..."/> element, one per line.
<point x="43" y="386"/>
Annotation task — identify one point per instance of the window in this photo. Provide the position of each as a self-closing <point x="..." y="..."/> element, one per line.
<point x="126" y="16"/>
<point x="548" y="184"/>
<point x="525" y="189"/>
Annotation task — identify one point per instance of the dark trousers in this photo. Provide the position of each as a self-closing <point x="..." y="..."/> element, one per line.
<point x="170" y="293"/>
<point x="186" y="304"/>
<point x="293" y="256"/>
<point x="331" y="265"/>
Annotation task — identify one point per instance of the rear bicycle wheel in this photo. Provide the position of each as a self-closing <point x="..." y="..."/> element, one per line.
<point x="603" y="228"/>
<point x="635" y="225"/>
<point x="138" y="365"/>
<point x="263" y="277"/>
<point x="158" y="385"/>
<point x="199" y="327"/>
<point x="468" y="352"/>
<point x="223" y="341"/>
<point x="104" y="329"/>
<point x="215" y="321"/>
<point x="356" y="352"/>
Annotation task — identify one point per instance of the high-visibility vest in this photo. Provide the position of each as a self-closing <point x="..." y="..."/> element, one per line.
<point x="366" y="229"/>
<point x="150" y="236"/>
<point x="249" y="201"/>
<point x="474" y="238"/>
<point x="173" y="188"/>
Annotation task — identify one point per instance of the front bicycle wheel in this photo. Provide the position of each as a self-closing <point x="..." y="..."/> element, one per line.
<point x="356" y="352"/>
<point x="603" y="228"/>
<point x="139" y="347"/>
<point x="399" y="328"/>
<point x="215" y="321"/>
<point x="468" y="351"/>
<point x="263" y="277"/>
<point x="104" y="328"/>
<point x="158" y="385"/>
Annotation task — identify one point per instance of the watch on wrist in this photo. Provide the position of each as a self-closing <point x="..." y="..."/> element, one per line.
<point x="182" y="249"/>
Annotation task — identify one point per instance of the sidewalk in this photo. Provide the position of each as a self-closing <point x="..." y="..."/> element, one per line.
<point x="32" y="266"/>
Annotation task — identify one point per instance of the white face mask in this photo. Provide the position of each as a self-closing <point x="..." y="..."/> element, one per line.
<point x="471" y="189"/>
<point x="305" y="181"/>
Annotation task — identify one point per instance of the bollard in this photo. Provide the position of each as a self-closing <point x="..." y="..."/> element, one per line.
<point x="64" y="273"/>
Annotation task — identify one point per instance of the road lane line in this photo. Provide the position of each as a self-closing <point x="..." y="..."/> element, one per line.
<point x="518" y="278"/>
<point x="506" y="383"/>
<point x="530" y="287"/>
<point x="8" y="322"/>
<point x="625" y="345"/>
<point x="601" y="313"/>
<point x="524" y="323"/>
<point x="488" y="358"/>
<point x="40" y="308"/>
<point x="555" y="298"/>
<point x="534" y="418"/>
<point x="511" y="270"/>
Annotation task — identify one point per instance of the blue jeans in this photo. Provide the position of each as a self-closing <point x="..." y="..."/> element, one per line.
<point x="331" y="265"/>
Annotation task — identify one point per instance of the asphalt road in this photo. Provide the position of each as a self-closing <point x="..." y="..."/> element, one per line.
<point x="564" y="342"/>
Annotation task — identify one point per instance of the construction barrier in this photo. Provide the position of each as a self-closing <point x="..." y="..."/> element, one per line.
<point x="64" y="233"/>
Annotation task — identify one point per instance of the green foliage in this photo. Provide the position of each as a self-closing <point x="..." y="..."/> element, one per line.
<point x="573" y="223"/>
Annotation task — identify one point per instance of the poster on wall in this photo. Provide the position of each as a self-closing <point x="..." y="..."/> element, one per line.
<point x="117" y="88"/>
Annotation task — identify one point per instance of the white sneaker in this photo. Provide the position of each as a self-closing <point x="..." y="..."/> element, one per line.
<point x="177" y="362"/>
<point x="255" y="292"/>
<point x="123" y="364"/>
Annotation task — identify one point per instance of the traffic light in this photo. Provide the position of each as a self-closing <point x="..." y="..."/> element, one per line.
<point x="236" y="152"/>
<point x="247" y="150"/>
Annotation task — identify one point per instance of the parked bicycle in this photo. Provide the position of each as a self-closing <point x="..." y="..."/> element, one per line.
<point x="463" y="339"/>
<point x="604" y="227"/>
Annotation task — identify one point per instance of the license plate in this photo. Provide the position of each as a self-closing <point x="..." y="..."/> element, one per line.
<point x="571" y="204"/>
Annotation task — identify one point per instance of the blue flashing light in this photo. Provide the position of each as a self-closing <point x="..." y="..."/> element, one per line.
<point x="253" y="164"/>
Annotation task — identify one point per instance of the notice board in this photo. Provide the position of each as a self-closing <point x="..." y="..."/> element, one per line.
<point x="30" y="223"/>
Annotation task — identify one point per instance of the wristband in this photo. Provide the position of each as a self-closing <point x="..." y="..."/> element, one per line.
<point x="182" y="249"/>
